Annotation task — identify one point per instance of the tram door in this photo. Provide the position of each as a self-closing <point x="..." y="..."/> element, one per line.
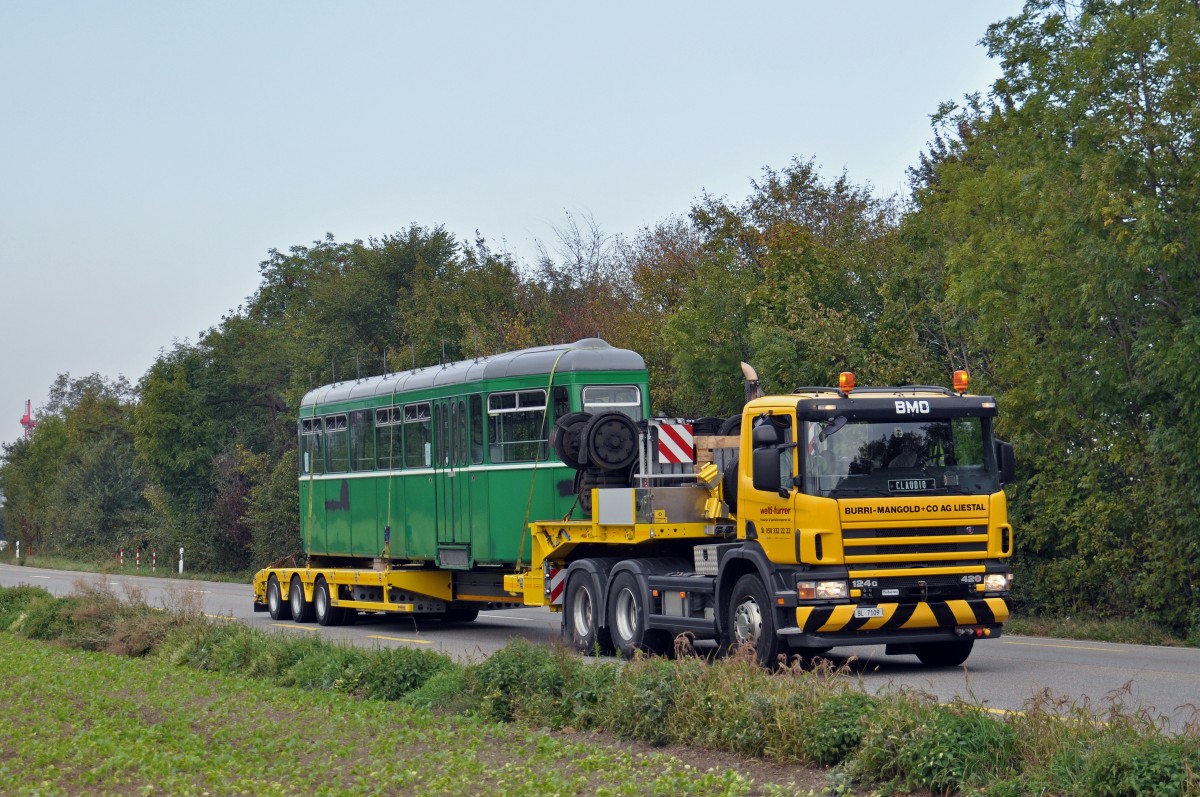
<point x="452" y="484"/>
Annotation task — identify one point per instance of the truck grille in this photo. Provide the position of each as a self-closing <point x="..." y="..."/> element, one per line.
<point x="897" y="547"/>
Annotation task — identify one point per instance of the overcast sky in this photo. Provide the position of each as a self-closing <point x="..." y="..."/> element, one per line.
<point x="152" y="153"/>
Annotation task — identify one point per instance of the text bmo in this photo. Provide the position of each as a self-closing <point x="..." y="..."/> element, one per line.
<point x="912" y="407"/>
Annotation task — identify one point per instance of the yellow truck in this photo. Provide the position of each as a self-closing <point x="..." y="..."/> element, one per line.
<point x="828" y="517"/>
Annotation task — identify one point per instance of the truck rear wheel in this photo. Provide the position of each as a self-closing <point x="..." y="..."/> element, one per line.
<point x="944" y="654"/>
<point x="627" y="620"/>
<point x="275" y="604"/>
<point x="752" y="620"/>
<point x="323" y="608"/>
<point x="302" y="610"/>
<point x="581" y="617"/>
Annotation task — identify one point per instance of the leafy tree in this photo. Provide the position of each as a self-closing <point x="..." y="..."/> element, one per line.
<point x="1062" y="214"/>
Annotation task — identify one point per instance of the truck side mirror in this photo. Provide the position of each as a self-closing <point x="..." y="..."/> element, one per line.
<point x="764" y="435"/>
<point x="1007" y="462"/>
<point x="766" y="469"/>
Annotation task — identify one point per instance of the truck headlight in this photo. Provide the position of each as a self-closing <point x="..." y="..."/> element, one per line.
<point x="997" y="582"/>
<point x="822" y="590"/>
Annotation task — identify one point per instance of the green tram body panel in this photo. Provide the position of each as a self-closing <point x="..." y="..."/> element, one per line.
<point x="454" y="459"/>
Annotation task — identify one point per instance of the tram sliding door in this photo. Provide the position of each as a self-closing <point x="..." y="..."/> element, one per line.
<point x="452" y="485"/>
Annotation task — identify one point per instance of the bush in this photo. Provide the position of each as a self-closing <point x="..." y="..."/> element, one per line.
<point x="520" y="679"/>
<point x="943" y="748"/>
<point x="15" y="602"/>
<point x="643" y="700"/>
<point x="838" y="727"/>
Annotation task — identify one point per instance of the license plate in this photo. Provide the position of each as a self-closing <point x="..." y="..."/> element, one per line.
<point x="868" y="611"/>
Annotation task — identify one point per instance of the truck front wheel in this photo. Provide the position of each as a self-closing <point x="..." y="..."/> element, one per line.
<point x="627" y="620"/>
<point x="581" y="617"/>
<point x="944" y="654"/>
<point x="752" y="620"/>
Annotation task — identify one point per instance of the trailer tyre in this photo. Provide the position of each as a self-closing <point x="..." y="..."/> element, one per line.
<point x="323" y="608"/>
<point x="566" y="438"/>
<point x="302" y="610"/>
<point x="581" y="617"/>
<point x="627" y="620"/>
<point x="944" y="654"/>
<point x="278" y="608"/>
<point x="729" y="483"/>
<point x="752" y="620"/>
<point x="611" y="441"/>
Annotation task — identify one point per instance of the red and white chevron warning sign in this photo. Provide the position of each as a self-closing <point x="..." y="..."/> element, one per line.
<point x="676" y="444"/>
<point x="558" y="580"/>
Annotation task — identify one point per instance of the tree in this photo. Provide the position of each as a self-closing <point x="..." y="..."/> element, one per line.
<point x="1063" y="214"/>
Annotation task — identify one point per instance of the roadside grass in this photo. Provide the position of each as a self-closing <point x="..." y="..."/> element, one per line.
<point x="896" y="742"/>
<point x="1133" y="631"/>
<point x="88" y="723"/>
<point x="166" y="567"/>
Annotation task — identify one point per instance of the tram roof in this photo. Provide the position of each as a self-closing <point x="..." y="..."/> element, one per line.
<point x="589" y="354"/>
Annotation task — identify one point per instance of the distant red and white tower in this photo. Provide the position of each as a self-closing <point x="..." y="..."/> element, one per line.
<point x="27" y="421"/>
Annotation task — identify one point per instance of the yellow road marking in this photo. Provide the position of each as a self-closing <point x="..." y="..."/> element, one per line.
<point x="295" y="627"/>
<point x="400" y="639"/>
<point x="220" y="616"/>
<point x="1068" y="647"/>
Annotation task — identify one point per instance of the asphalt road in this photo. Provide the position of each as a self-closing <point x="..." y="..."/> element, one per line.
<point x="1002" y="674"/>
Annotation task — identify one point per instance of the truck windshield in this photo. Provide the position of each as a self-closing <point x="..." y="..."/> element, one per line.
<point x="875" y="458"/>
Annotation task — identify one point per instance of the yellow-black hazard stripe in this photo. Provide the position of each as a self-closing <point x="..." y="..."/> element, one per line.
<point x="902" y="616"/>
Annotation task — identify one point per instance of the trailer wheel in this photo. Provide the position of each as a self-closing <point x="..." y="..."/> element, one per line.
<point x="302" y="610"/>
<point x="581" y="617"/>
<point x="566" y="438"/>
<point x="323" y="608"/>
<point x="729" y="483"/>
<point x="627" y="620"/>
<point x="944" y="654"/>
<point x="611" y="441"/>
<point x="275" y="604"/>
<point x="752" y="620"/>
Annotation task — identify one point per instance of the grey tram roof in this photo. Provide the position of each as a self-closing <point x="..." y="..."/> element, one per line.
<point x="589" y="354"/>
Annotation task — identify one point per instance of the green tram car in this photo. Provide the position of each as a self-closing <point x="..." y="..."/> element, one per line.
<point x="439" y="470"/>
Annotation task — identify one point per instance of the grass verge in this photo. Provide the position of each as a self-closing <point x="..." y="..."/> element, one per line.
<point x="1132" y="631"/>
<point x="895" y="743"/>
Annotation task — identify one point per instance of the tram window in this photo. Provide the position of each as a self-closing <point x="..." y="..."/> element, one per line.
<point x="562" y="401"/>
<point x="441" y="420"/>
<point x="389" y="443"/>
<point x="362" y="441"/>
<point x="625" y="399"/>
<point x="476" y="429"/>
<point x="418" y="435"/>
<point x="517" y="426"/>
<point x="462" y="432"/>
<point x="337" y="444"/>
<point x="311" y="433"/>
